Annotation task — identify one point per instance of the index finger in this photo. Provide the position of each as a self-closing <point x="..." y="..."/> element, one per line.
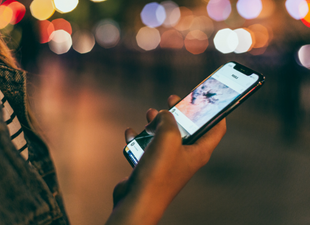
<point x="172" y="100"/>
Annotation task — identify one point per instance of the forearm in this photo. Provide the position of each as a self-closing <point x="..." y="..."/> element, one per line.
<point x="139" y="209"/>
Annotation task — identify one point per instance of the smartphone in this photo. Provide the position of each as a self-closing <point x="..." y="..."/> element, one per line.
<point x="207" y="104"/>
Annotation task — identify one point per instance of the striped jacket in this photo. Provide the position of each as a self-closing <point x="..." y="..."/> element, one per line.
<point x="29" y="194"/>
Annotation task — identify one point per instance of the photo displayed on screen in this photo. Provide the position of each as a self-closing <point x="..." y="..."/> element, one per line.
<point x="206" y="101"/>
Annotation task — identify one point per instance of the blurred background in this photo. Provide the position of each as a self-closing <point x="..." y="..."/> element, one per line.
<point x="95" y="67"/>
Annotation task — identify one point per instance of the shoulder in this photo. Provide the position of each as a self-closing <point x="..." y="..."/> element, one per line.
<point x="10" y="74"/>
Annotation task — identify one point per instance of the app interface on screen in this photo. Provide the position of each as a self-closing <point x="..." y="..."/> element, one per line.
<point x="201" y="105"/>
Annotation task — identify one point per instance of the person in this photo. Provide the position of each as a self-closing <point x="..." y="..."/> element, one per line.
<point x="30" y="193"/>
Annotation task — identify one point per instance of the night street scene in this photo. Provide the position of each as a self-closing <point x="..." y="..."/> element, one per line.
<point x="96" y="66"/>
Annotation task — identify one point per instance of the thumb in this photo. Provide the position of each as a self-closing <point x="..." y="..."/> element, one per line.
<point x="163" y="121"/>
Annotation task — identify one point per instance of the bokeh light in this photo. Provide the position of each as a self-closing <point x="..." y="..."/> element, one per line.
<point x="261" y="35"/>
<point x="171" y="39"/>
<point x="196" y="42"/>
<point x="46" y="29"/>
<point x="62" y="24"/>
<point x="83" y="41"/>
<point x="107" y="33"/>
<point x="304" y="56"/>
<point x="186" y="19"/>
<point x="306" y="19"/>
<point x="219" y="10"/>
<point x="18" y="10"/>
<point x="204" y="24"/>
<point x="6" y="15"/>
<point x="98" y="0"/>
<point x="249" y="9"/>
<point x="65" y="6"/>
<point x="173" y="13"/>
<point x="7" y="2"/>
<point x="297" y="9"/>
<point x="153" y="14"/>
<point x="42" y="9"/>
<point x="148" y="38"/>
<point x="60" y="42"/>
<point x="268" y="9"/>
<point x="226" y="40"/>
<point x="245" y="40"/>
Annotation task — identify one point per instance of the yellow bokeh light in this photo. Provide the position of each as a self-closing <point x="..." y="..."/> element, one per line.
<point x="6" y="14"/>
<point x="42" y="9"/>
<point x="65" y="6"/>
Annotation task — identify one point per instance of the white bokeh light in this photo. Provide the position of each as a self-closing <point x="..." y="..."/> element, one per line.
<point x="65" y="6"/>
<point x="83" y="41"/>
<point x="107" y="33"/>
<point x="153" y="14"/>
<point x="148" y="38"/>
<point x="297" y="9"/>
<point x="226" y="41"/>
<point x="173" y="13"/>
<point x="304" y="56"/>
<point x="249" y="9"/>
<point x="60" y="42"/>
<point x="245" y="40"/>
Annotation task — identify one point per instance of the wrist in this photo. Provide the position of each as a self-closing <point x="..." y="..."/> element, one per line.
<point x="139" y="208"/>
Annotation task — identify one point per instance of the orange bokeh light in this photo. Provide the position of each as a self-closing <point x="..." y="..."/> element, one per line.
<point x="6" y="15"/>
<point x="306" y="19"/>
<point x="62" y="24"/>
<point x="196" y="42"/>
<point x="186" y="19"/>
<point x="260" y="35"/>
<point x="46" y="29"/>
<point x="18" y="10"/>
<point x="171" y="39"/>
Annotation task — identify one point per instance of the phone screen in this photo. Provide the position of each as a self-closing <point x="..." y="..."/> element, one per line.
<point x="203" y="104"/>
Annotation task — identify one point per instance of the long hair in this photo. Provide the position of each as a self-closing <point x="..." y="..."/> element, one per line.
<point x="6" y="54"/>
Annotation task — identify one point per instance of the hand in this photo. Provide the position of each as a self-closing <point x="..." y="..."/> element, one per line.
<point x="164" y="169"/>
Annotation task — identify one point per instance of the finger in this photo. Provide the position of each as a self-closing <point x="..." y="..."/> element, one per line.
<point x="172" y="100"/>
<point x="164" y="120"/>
<point x="151" y="114"/>
<point x="130" y="134"/>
